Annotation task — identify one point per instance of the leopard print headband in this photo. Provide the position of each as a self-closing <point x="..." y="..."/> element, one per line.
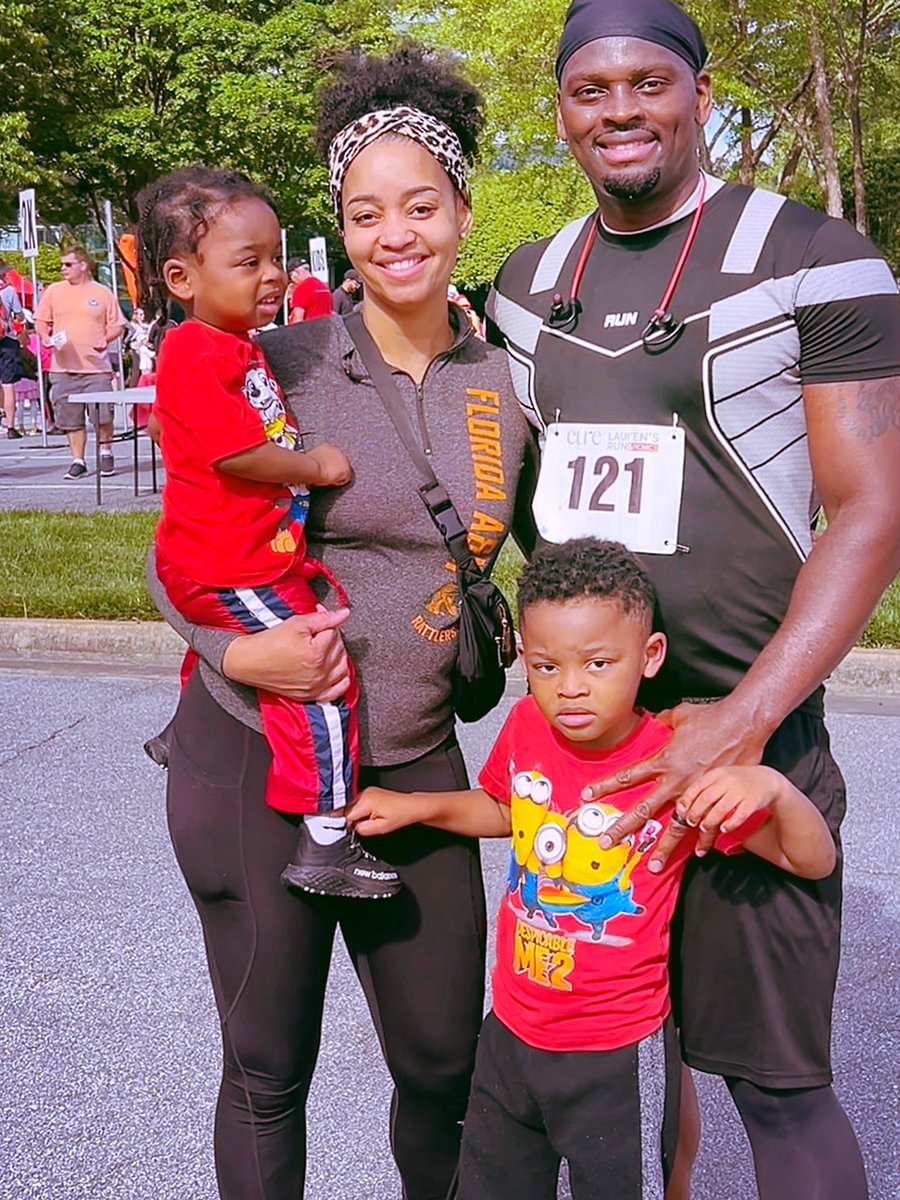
<point x="438" y="139"/>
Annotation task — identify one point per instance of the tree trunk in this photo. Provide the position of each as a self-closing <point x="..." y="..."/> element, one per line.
<point x="853" y="63"/>
<point x="748" y="164"/>
<point x="832" y="183"/>
<point x="859" y="179"/>
<point x="789" y="168"/>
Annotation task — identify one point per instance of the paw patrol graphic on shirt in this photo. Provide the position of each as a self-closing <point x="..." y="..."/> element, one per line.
<point x="559" y="876"/>
<point x="264" y="395"/>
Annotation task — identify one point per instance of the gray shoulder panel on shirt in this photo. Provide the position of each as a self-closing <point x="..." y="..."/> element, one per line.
<point x="553" y="259"/>
<point x="750" y="233"/>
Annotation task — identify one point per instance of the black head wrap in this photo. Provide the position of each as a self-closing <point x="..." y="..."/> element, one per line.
<point x="659" y="21"/>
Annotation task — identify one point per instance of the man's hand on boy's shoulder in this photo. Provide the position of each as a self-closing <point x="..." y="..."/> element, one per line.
<point x="704" y="736"/>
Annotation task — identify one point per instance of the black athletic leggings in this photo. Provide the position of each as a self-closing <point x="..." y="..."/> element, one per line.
<point x="419" y="958"/>
<point x="803" y="1145"/>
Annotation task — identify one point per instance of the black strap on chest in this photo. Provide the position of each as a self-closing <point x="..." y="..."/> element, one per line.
<point x="434" y="494"/>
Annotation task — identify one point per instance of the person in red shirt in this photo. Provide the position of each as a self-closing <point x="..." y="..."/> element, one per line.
<point x="581" y="1014"/>
<point x="310" y="298"/>
<point x="231" y="546"/>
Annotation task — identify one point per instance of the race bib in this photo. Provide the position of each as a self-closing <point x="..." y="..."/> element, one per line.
<point x="619" y="482"/>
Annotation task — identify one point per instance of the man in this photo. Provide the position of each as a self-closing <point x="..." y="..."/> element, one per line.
<point x="79" y="318"/>
<point x="10" y="359"/>
<point x="310" y="297"/>
<point x="344" y="298"/>
<point x="702" y="426"/>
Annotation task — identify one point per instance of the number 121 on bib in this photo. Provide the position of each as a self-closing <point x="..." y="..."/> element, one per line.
<point x="619" y="482"/>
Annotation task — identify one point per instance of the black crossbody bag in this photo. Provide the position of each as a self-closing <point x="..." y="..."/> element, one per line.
<point x="486" y="639"/>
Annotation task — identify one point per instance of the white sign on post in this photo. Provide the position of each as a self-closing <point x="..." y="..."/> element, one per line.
<point x="318" y="258"/>
<point x="28" y="238"/>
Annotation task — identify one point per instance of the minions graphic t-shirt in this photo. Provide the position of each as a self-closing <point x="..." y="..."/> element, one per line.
<point x="582" y="932"/>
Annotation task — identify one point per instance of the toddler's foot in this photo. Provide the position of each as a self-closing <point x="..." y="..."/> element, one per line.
<point x="341" y="868"/>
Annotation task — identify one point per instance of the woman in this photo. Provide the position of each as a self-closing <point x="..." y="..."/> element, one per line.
<point x="399" y="132"/>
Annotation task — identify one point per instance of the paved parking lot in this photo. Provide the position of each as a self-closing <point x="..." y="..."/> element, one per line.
<point x="31" y="476"/>
<point x="109" y="1036"/>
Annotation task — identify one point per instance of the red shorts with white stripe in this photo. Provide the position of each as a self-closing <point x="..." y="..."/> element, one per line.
<point x="315" y="747"/>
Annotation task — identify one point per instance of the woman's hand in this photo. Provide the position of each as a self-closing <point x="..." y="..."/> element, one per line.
<point x="376" y="811"/>
<point x="302" y="659"/>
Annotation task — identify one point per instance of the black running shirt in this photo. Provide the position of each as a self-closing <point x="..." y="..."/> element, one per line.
<point x="774" y="295"/>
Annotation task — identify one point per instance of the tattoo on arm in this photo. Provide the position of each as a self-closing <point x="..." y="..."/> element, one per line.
<point x="868" y="410"/>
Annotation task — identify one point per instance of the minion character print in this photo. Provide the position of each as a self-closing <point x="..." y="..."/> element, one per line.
<point x="558" y="873"/>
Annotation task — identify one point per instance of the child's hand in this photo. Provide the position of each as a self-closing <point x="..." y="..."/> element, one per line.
<point x="725" y="797"/>
<point x="376" y="811"/>
<point x="334" y="468"/>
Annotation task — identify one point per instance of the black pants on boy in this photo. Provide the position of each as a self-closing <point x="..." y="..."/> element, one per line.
<point x="612" y="1115"/>
<point x="419" y="958"/>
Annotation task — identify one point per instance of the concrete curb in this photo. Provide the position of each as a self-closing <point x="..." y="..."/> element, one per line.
<point x="866" y="671"/>
<point x="114" y="643"/>
<point x="153" y="643"/>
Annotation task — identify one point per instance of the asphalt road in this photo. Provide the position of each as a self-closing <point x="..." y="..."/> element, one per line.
<point x="109" y="1038"/>
<point x="31" y="476"/>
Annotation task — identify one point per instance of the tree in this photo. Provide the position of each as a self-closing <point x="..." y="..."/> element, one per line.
<point x="113" y="93"/>
<point x="527" y="185"/>
<point x="803" y="94"/>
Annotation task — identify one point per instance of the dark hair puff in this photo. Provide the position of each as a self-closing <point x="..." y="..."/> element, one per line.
<point x="426" y="79"/>
<point x="174" y="214"/>
<point x="588" y="567"/>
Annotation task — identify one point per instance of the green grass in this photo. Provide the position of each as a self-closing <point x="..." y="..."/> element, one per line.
<point x="506" y="572"/>
<point x="75" y="565"/>
<point x="92" y="565"/>
<point x="884" y="629"/>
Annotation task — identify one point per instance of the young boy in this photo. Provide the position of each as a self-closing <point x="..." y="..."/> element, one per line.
<point x="231" y="544"/>
<point x="572" y="1060"/>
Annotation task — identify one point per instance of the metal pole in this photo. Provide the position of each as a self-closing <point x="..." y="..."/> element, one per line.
<point x="284" y="260"/>
<point x="111" y="259"/>
<point x="40" y="370"/>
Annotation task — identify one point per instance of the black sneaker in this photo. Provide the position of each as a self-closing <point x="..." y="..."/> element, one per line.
<point x="107" y="464"/>
<point x="76" y="471"/>
<point x="341" y="869"/>
<point x="13" y="433"/>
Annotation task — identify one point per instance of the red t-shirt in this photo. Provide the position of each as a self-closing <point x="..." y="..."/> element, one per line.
<point x="216" y="397"/>
<point x="314" y="297"/>
<point x="582" y="933"/>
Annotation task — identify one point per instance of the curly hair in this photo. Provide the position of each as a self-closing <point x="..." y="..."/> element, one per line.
<point x="174" y="214"/>
<point x="588" y="567"/>
<point x="426" y="79"/>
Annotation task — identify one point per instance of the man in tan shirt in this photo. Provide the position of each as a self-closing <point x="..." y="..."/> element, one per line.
<point x="79" y="318"/>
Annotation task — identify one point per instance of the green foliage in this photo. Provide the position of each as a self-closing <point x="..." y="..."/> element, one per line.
<point x="759" y="59"/>
<point x="512" y="207"/>
<point x="506" y="572"/>
<point x="48" y="269"/>
<point x="119" y="92"/>
<point x="99" y="96"/>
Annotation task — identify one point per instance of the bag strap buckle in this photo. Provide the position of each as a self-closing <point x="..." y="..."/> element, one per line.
<point x="444" y="514"/>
